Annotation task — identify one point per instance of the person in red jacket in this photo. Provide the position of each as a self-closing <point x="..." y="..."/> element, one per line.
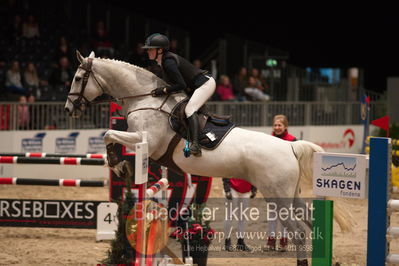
<point x="280" y="130"/>
<point x="237" y="192"/>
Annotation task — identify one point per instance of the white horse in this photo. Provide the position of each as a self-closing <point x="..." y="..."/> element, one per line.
<point x="273" y="165"/>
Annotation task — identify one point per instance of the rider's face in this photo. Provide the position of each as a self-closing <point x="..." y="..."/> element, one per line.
<point x="152" y="53"/>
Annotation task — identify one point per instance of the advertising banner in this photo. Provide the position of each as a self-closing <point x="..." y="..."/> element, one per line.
<point x="340" y="175"/>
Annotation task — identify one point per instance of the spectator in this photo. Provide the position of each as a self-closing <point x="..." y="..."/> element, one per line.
<point x="254" y="92"/>
<point x="237" y="193"/>
<point x="225" y="89"/>
<point x="63" y="50"/>
<point x="34" y="114"/>
<point x="197" y="63"/>
<point x="14" y="79"/>
<point x="101" y="42"/>
<point x="15" y="29"/>
<point x="31" y="98"/>
<point x="174" y="46"/>
<point x="139" y="57"/>
<point x="30" y="28"/>
<point x="2" y="59"/>
<point x="62" y="76"/>
<point x="280" y="130"/>
<point x="260" y="84"/>
<point x="23" y="113"/>
<point x="239" y="83"/>
<point x="31" y="78"/>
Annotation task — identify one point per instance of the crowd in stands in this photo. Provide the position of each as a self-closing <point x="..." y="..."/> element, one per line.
<point x="33" y="64"/>
<point x="37" y="63"/>
<point x="244" y="87"/>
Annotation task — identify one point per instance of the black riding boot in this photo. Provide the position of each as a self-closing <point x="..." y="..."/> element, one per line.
<point x="193" y="123"/>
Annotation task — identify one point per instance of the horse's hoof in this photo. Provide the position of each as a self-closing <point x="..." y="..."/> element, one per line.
<point x="112" y="158"/>
<point x="124" y="170"/>
<point x="302" y="262"/>
<point x="127" y="170"/>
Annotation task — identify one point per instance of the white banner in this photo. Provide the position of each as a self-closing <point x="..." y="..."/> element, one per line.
<point x="340" y="175"/>
<point x="53" y="141"/>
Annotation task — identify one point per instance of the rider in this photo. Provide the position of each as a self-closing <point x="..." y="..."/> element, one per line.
<point x="182" y="76"/>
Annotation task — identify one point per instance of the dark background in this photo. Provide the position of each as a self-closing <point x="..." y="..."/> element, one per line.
<point x="364" y="37"/>
<point x="315" y="35"/>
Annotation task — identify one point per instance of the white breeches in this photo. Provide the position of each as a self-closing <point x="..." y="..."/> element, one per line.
<point x="240" y="201"/>
<point x="200" y="96"/>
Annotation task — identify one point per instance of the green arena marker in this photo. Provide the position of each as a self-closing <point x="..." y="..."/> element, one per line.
<point x="322" y="232"/>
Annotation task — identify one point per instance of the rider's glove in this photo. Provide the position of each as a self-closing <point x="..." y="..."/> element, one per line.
<point x="159" y="92"/>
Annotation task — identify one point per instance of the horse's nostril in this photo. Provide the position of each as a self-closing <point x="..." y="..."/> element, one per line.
<point x="67" y="109"/>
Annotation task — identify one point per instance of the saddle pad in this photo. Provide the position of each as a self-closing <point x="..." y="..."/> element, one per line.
<point x="213" y="128"/>
<point x="212" y="135"/>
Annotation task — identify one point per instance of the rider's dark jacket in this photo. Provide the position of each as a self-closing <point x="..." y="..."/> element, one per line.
<point x="180" y="74"/>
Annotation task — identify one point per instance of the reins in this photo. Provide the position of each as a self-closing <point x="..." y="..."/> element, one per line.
<point x="77" y="103"/>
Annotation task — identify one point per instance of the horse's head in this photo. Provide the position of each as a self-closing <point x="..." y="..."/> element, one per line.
<point x="85" y="87"/>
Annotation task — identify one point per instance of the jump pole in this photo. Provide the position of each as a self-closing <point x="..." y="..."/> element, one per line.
<point x="52" y="182"/>
<point x="50" y="160"/>
<point x="44" y="155"/>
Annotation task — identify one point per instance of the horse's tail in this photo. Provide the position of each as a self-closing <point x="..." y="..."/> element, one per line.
<point x="304" y="151"/>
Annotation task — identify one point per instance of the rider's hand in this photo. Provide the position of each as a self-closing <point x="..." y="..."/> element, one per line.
<point x="159" y="92"/>
<point x="229" y="196"/>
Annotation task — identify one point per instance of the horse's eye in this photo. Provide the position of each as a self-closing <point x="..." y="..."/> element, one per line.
<point x="77" y="79"/>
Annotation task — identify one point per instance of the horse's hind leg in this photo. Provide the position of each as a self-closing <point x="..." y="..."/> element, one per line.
<point x="295" y="228"/>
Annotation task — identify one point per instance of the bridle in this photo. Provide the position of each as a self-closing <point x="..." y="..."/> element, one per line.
<point x="82" y="101"/>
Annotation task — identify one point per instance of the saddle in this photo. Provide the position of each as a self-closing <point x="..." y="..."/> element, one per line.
<point x="213" y="129"/>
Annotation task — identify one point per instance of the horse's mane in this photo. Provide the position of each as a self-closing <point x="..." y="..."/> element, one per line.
<point x="146" y="73"/>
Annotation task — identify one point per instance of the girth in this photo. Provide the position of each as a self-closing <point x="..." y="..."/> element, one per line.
<point x="167" y="158"/>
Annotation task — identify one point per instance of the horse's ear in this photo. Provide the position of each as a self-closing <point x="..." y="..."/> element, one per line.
<point x="79" y="56"/>
<point x="92" y="55"/>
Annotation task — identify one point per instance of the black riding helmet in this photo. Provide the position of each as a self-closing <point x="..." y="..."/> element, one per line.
<point x="157" y="40"/>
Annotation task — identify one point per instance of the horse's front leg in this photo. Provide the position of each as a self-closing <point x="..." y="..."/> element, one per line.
<point x="128" y="139"/>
